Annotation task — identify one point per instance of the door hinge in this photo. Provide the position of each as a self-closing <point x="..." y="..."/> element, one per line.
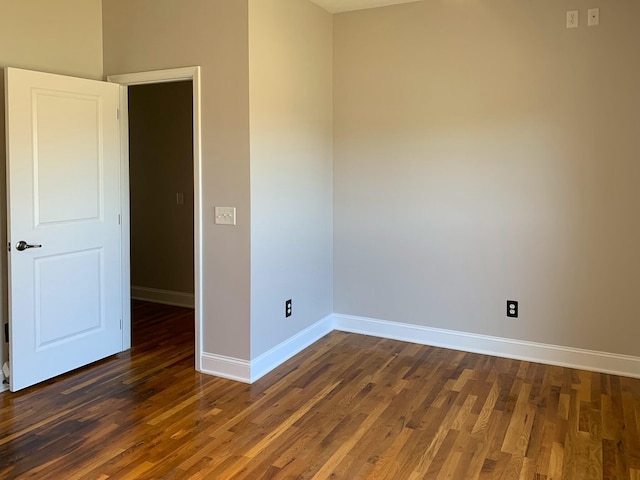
<point x="120" y="324"/>
<point x="118" y="113"/>
<point x="119" y="221"/>
<point x="8" y="246"/>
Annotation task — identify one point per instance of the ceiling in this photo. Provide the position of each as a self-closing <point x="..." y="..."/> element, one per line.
<point x="337" y="6"/>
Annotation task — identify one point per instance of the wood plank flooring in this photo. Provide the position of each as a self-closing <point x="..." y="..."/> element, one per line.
<point x="349" y="407"/>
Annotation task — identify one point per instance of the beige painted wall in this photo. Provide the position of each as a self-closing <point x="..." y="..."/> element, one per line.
<point x="483" y="152"/>
<point x="160" y="166"/>
<point x="290" y="65"/>
<point x="157" y="34"/>
<point x="63" y="37"/>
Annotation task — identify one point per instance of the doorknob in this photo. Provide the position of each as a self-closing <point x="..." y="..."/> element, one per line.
<point x="22" y="245"/>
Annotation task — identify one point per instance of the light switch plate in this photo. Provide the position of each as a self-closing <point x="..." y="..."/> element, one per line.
<point x="225" y="215"/>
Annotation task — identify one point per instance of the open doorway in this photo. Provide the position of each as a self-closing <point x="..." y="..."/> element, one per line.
<point x="186" y="77"/>
<point x="161" y="205"/>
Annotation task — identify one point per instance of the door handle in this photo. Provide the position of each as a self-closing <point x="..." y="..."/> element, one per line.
<point x="22" y="245"/>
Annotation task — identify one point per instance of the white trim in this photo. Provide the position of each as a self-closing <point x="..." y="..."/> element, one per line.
<point x="624" y="365"/>
<point x="166" y="297"/>
<point x="125" y="227"/>
<point x="250" y="371"/>
<point x="163" y="76"/>
<point x="279" y="354"/>
<point x="155" y="76"/>
<point x="226" y="367"/>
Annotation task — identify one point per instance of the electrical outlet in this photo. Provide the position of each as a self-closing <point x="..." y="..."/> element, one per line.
<point x="512" y="309"/>
<point x="288" y="308"/>
<point x="573" y="19"/>
<point x="593" y="17"/>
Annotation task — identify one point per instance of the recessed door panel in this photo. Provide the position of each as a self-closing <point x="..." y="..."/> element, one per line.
<point x="67" y="187"/>
<point x="66" y="312"/>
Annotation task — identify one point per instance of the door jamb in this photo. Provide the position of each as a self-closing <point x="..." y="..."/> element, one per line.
<point x="141" y="78"/>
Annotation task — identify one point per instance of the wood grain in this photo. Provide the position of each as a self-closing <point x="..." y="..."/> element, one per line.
<point x="349" y="407"/>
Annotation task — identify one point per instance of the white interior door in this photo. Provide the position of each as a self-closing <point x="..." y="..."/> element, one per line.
<point x="63" y="180"/>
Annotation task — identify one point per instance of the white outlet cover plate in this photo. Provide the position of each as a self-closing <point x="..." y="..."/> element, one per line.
<point x="573" y="19"/>
<point x="593" y="17"/>
<point x="225" y="215"/>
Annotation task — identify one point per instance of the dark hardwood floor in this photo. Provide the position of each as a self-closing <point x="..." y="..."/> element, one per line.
<point x="349" y="407"/>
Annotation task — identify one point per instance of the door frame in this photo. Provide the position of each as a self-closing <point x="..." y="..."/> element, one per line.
<point x="150" y="77"/>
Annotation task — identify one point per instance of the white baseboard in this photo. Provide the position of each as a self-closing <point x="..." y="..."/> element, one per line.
<point x="279" y="354"/>
<point x="165" y="297"/>
<point x="226" y="367"/>
<point x="249" y="371"/>
<point x="624" y="365"/>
